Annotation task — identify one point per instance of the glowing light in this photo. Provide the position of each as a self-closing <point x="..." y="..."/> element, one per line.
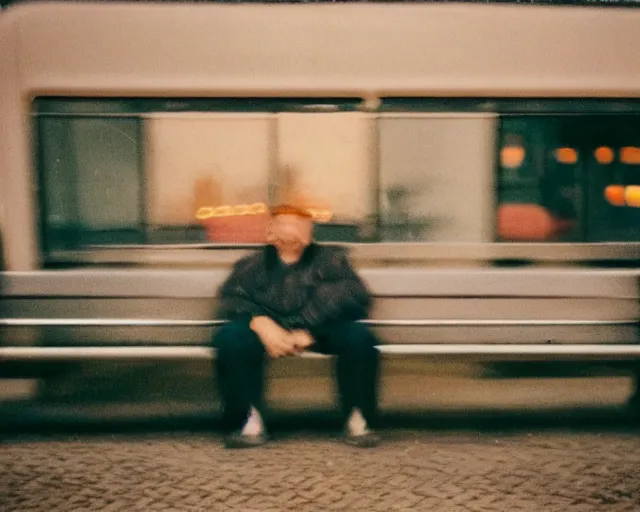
<point x="630" y="155"/>
<point x="204" y="212"/>
<point x="208" y="212"/>
<point x="632" y="196"/>
<point x="566" y="156"/>
<point x="618" y="195"/>
<point x="321" y="216"/>
<point x="238" y="210"/>
<point x="604" y="155"/>
<point x="614" y="194"/>
<point x="511" y="157"/>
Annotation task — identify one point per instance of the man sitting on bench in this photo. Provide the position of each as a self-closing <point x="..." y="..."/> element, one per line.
<point x="291" y="296"/>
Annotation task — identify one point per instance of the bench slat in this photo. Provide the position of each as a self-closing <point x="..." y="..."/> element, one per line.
<point x="128" y="322"/>
<point x="382" y="282"/>
<point x="36" y="354"/>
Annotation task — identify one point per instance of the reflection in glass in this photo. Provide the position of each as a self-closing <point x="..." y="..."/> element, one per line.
<point x="632" y="196"/>
<point x="604" y="155"/>
<point x="511" y="157"/>
<point x="132" y="172"/>
<point x="436" y="176"/>
<point x="575" y="190"/>
<point x="630" y="155"/>
<point x="540" y="200"/>
<point x="615" y="195"/>
<point x="215" y="162"/>
<point x="326" y="162"/>
<point x="567" y="156"/>
<point x="91" y="181"/>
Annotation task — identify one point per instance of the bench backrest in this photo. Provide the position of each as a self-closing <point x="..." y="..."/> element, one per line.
<point x="437" y="306"/>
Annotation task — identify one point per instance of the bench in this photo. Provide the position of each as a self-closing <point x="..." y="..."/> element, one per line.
<point x="480" y="315"/>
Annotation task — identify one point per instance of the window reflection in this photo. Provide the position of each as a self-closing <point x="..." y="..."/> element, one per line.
<point x="130" y="172"/>
<point x="632" y="196"/>
<point x="539" y="201"/>
<point x="194" y="161"/>
<point x="567" y="156"/>
<point x="511" y="157"/>
<point x="91" y="181"/>
<point x="615" y="195"/>
<point x="326" y="161"/>
<point x="436" y="178"/>
<point x="630" y="155"/>
<point x="604" y="155"/>
<point x="579" y="193"/>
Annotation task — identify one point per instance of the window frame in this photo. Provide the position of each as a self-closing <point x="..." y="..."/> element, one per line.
<point x="138" y="107"/>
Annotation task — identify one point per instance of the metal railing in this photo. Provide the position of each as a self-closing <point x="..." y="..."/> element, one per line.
<point x="182" y="352"/>
<point x="501" y="351"/>
<point x="124" y="322"/>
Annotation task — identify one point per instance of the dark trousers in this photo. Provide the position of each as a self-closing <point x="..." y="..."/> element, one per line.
<point x="240" y="362"/>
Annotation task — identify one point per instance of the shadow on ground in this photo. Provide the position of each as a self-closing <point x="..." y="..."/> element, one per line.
<point x="115" y="419"/>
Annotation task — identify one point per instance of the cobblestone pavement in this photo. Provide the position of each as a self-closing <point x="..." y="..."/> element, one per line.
<point x="532" y="469"/>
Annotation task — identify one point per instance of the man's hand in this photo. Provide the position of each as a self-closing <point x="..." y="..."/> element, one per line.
<point x="277" y="341"/>
<point x="301" y="339"/>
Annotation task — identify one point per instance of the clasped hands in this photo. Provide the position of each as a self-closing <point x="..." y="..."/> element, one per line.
<point x="278" y="341"/>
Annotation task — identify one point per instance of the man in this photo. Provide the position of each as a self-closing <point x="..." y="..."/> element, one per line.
<point x="291" y="296"/>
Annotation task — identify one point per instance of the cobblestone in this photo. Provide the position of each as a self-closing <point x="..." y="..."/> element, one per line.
<point x="543" y="471"/>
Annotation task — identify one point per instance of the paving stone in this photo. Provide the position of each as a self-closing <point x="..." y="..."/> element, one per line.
<point x="414" y="470"/>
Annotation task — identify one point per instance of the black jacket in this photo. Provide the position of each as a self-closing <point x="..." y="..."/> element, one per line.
<point x="320" y="289"/>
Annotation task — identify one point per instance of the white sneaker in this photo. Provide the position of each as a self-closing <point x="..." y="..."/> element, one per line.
<point x="356" y="424"/>
<point x="251" y="435"/>
<point x="254" y="425"/>
<point x="358" y="433"/>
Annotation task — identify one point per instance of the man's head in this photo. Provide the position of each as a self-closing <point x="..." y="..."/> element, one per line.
<point x="291" y="229"/>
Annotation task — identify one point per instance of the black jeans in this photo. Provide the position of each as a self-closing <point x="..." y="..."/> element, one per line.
<point x="241" y="358"/>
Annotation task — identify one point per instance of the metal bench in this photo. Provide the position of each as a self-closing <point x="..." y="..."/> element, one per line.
<point x="489" y="315"/>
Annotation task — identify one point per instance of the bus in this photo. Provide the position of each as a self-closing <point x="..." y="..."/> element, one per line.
<point x="157" y="134"/>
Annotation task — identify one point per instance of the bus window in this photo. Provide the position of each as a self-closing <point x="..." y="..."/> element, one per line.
<point x="537" y="198"/>
<point x="91" y="181"/>
<point x="436" y="175"/>
<point x="166" y="171"/>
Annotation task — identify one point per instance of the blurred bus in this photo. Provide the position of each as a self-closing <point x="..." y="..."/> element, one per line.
<point x="157" y="134"/>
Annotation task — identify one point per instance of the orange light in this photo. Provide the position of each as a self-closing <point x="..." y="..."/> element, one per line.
<point x="604" y="155"/>
<point x="632" y="196"/>
<point x="566" y="156"/>
<point x="321" y="216"/>
<point x="258" y="208"/>
<point x="207" y="212"/>
<point x="614" y="194"/>
<point x="238" y="210"/>
<point x="511" y="157"/>
<point x="204" y="212"/>
<point x="630" y="155"/>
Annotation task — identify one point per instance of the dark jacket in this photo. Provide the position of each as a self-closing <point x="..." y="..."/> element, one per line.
<point x="320" y="289"/>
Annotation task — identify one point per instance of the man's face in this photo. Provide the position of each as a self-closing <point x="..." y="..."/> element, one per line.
<point x="291" y="232"/>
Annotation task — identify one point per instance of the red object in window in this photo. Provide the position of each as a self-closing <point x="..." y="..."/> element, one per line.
<point x="529" y="222"/>
<point x="237" y="229"/>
